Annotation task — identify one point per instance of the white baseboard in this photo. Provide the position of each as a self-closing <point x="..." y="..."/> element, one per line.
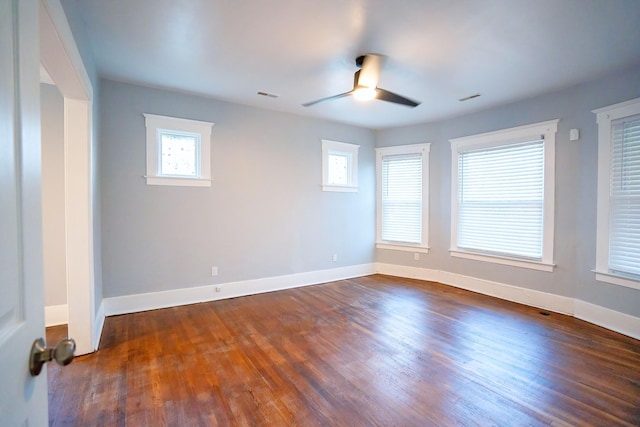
<point x="55" y="315"/>
<point x="556" y="303"/>
<point x="98" y="325"/>
<point x="601" y="316"/>
<point x="531" y="297"/>
<point x="607" y="318"/>
<point x="163" y="299"/>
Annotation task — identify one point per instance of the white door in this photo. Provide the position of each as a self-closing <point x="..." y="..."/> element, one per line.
<point x="23" y="398"/>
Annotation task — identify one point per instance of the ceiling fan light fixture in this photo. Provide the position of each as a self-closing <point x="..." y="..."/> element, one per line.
<point x="365" y="84"/>
<point x="364" y="93"/>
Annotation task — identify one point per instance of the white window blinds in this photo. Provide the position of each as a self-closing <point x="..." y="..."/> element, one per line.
<point x="501" y="200"/>
<point x="402" y="198"/>
<point x="624" y="217"/>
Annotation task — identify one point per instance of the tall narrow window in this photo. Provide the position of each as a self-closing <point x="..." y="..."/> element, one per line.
<point x="502" y="196"/>
<point x="618" y="232"/>
<point x="403" y="197"/>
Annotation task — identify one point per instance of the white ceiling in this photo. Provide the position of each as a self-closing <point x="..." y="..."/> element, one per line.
<point x="437" y="50"/>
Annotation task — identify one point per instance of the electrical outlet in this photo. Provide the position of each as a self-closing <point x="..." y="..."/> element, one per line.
<point x="335" y="258"/>
<point x="416" y="256"/>
<point x="214" y="271"/>
<point x="218" y="289"/>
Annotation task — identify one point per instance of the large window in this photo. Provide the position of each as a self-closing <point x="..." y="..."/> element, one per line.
<point x="403" y="197"/>
<point x="178" y="151"/>
<point x="502" y="196"/>
<point x="618" y="227"/>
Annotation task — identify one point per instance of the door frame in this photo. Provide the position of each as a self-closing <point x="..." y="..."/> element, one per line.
<point x="60" y="57"/>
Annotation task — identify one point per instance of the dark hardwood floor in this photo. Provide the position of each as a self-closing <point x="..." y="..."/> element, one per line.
<point x="372" y="351"/>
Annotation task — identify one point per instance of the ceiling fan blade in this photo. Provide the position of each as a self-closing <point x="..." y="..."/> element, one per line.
<point x="341" y="95"/>
<point x="385" y="95"/>
<point x="370" y="72"/>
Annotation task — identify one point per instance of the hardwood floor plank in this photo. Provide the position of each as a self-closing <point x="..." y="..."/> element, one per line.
<point x="371" y="351"/>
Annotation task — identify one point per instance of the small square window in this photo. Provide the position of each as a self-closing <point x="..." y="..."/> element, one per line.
<point x="179" y="154"/>
<point x="178" y="151"/>
<point x="339" y="166"/>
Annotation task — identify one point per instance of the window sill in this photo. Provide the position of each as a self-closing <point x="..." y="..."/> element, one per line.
<point x="340" y="188"/>
<point x="514" y="262"/>
<point x="616" y="280"/>
<point x="179" y="182"/>
<point x="405" y="248"/>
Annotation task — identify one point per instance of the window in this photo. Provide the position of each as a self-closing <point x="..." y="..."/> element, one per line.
<point x="403" y="197"/>
<point x="502" y="204"/>
<point x="618" y="225"/>
<point x="339" y="166"/>
<point x="178" y="151"/>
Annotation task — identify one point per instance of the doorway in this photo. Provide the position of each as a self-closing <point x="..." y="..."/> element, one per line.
<point x="53" y="210"/>
<point x="61" y="59"/>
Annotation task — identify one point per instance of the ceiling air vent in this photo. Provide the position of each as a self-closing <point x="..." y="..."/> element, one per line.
<point x="269" y="95"/>
<point x="469" y="97"/>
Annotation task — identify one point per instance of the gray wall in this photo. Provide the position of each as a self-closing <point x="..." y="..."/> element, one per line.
<point x="264" y="215"/>
<point x="576" y="178"/>
<point x="53" y="221"/>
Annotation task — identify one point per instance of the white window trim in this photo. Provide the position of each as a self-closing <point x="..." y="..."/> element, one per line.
<point x="342" y="148"/>
<point x="497" y="259"/>
<point x="605" y="116"/>
<point x="154" y="123"/>
<point x="520" y="133"/>
<point x="423" y="149"/>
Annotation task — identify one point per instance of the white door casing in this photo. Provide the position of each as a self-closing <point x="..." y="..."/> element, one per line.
<point x="23" y="398"/>
<point x="60" y="57"/>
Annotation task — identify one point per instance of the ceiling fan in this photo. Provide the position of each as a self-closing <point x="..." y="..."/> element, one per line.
<point x="365" y="84"/>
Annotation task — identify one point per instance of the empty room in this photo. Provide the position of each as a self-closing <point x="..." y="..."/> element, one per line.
<point x="337" y="213"/>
